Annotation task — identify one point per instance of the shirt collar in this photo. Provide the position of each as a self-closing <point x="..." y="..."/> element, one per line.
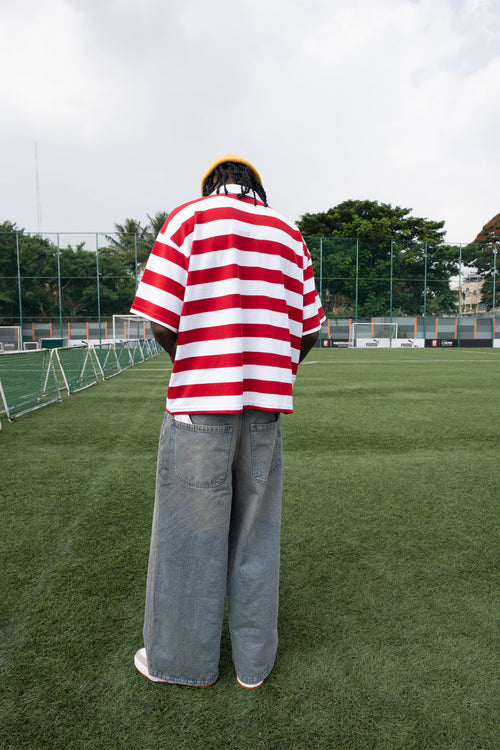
<point x="236" y="190"/>
<point x="233" y="189"/>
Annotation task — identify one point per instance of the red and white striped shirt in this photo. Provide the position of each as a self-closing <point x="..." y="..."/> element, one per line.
<point x="235" y="282"/>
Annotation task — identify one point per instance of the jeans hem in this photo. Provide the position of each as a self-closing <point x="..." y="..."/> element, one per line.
<point x="175" y="680"/>
<point x="252" y="679"/>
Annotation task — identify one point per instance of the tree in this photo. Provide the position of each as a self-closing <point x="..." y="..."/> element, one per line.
<point x="79" y="289"/>
<point x="39" y="264"/>
<point x="156" y="224"/>
<point x="38" y="267"/>
<point x="482" y="254"/>
<point x="375" y="238"/>
<point x="9" y="305"/>
<point x="131" y="237"/>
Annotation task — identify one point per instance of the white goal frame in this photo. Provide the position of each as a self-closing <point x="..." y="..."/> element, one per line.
<point x="11" y="339"/>
<point x="373" y="335"/>
<point x="134" y="327"/>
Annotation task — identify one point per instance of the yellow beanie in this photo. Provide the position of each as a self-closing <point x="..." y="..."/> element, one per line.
<point x="223" y="160"/>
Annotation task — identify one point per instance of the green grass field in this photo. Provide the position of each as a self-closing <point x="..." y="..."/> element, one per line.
<point x="389" y="579"/>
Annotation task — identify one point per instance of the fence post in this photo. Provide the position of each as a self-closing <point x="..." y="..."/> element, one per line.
<point x="320" y="282"/>
<point x="98" y="286"/>
<point x="357" y="283"/>
<point x="390" y="292"/>
<point x="493" y="318"/>
<point x="135" y="260"/>
<point x="19" y="287"/>
<point x="59" y="287"/>
<point x="425" y="291"/>
<point x="459" y="296"/>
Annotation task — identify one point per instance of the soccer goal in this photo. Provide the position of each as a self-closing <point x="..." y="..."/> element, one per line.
<point x="127" y="327"/>
<point x="373" y="335"/>
<point x="11" y="339"/>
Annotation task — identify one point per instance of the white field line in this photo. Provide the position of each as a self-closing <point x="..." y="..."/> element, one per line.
<point x="493" y="357"/>
<point x="150" y="369"/>
<point x="392" y="362"/>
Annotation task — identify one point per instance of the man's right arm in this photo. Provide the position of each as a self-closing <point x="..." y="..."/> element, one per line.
<point x="166" y="338"/>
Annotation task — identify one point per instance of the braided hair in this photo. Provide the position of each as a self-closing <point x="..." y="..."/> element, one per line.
<point x="238" y="173"/>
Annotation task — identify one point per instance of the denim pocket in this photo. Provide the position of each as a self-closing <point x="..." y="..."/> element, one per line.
<point x="199" y="454"/>
<point x="265" y="442"/>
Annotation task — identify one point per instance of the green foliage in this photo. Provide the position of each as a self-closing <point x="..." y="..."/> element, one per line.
<point x="131" y="241"/>
<point x="371" y="220"/>
<point x="156" y="224"/>
<point x="40" y="262"/>
<point x="370" y="236"/>
<point x="79" y="283"/>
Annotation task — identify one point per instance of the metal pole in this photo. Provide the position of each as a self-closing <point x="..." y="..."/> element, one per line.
<point x="459" y="326"/>
<point x="59" y="287"/>
<point x="321" y="282"/>
<point x="135" y="253"/>
<point x="425" y="291"/>
<point x="390" y="294"/>
<point x="19" y="287"/>
<point x="493" y="320"/>
<point x="98" y="286"/>
<point x="357" y="284"/>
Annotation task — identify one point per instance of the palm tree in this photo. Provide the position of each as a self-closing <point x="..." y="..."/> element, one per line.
<point x="131" y="241"/>
<point x="156" y="222"/>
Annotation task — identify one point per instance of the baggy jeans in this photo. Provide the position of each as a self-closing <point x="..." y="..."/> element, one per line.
<point x="216" y="532"/>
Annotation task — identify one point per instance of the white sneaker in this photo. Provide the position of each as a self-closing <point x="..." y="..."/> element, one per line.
<point x="141" y="664"/>
<point x="249" y="685"/>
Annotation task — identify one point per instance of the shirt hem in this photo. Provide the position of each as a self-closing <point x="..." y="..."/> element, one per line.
<point x="230" y="411"/>
<point x="153" y="320"/>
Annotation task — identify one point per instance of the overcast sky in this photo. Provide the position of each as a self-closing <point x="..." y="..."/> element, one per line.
<point x="129" y="101"/>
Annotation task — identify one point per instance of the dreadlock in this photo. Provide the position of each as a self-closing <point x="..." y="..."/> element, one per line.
<point x="235" y="173"/>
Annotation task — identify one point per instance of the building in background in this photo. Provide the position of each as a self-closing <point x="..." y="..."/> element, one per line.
<point x="470" y="302"/>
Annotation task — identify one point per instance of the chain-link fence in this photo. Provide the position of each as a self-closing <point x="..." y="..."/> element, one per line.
<point x="69" y="286"/>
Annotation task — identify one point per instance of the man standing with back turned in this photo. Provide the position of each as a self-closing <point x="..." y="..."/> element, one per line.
<point x="230" y="293"/>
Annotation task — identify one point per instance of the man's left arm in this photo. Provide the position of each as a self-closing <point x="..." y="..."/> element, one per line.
<point x="166" y="338"/>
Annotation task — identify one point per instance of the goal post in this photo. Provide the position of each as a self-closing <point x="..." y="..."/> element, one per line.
<point x="11" y="339"/>
<point x="373" y="335"/>
<point x="126" y="327"/>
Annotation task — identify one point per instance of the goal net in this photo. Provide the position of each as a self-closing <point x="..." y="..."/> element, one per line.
<point x="10" y="339"/>
<point x="364" y="335"/>
<point x="126" y="327"/>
